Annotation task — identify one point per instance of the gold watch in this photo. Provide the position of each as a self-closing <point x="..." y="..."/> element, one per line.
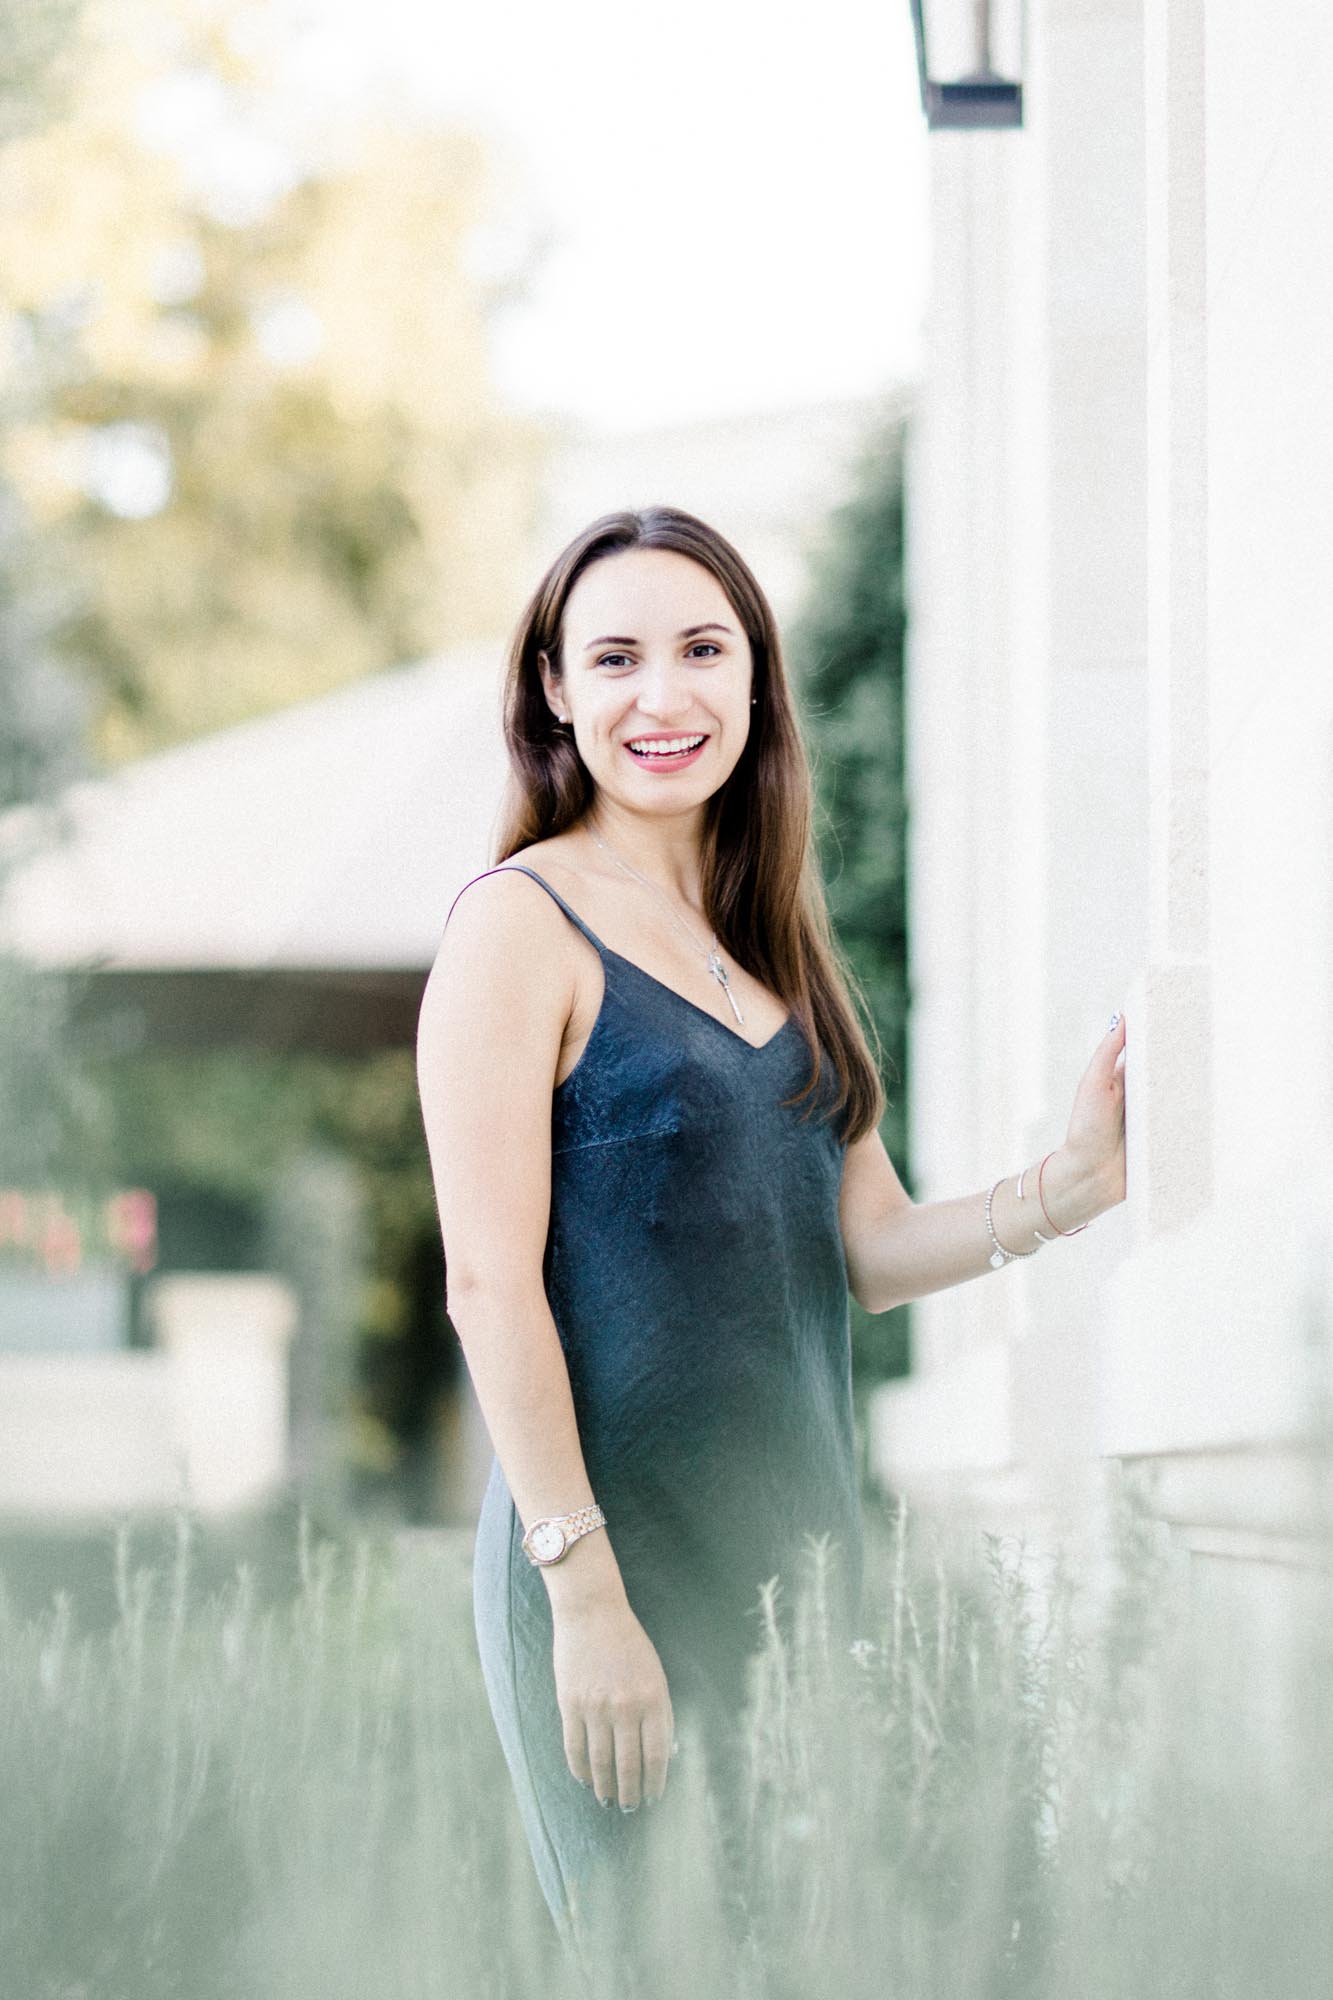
<point x="551" y="1538"/>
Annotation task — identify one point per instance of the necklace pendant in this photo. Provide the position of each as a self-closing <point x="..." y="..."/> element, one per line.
<point x="719" y="972"/>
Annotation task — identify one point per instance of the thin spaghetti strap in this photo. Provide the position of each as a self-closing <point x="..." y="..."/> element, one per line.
<point x="518" y="868"/>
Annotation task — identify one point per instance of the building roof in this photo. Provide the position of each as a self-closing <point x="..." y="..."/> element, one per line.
<point x="331" y="834"/>
<point x="285" y="882"/>
<point x="281" y="884"/>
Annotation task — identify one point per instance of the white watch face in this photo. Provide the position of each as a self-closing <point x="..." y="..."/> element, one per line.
<point x="547" y="1541"/>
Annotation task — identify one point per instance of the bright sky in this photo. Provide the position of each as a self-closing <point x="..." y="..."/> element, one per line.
<point x="732" y="191"/>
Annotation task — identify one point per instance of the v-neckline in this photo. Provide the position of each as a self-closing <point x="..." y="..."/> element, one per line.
<point x="755" y="1048"/>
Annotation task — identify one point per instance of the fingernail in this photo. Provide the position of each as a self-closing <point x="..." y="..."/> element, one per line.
<point x="606" y="1801"/>
<point x="1113" y="1023"/>
<point x="629" y="1808"/>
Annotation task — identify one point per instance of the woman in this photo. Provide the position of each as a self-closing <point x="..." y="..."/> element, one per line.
<point x="652" y="1116"/>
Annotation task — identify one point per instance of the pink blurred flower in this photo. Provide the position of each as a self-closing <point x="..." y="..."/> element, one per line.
<point x="61" y="1249"/>
<point x="14" y="1218"/>
<point x="131" y="1223"/>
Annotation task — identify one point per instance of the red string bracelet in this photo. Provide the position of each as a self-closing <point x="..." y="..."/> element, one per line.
<point x="1046" y="1211"/>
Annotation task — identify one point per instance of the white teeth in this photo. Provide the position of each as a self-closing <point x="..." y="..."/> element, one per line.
<point x="672" y="747"/>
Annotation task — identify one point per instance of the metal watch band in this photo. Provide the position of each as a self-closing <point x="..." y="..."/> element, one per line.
<point x="581" y="1522"/>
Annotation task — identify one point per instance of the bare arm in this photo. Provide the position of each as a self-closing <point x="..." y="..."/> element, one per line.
<point x="488" y="1042"/>
<point x="898" y="1249"/>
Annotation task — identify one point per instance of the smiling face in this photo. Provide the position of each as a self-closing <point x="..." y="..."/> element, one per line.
<point x="656" y="681"/>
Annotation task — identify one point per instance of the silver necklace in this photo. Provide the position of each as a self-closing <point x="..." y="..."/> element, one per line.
<point x="715" y="965"/>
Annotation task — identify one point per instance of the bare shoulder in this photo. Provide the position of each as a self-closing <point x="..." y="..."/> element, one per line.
<point x="503" y="957"/>
<point x="489" y="1035"/>
<point x="562" y="860"/>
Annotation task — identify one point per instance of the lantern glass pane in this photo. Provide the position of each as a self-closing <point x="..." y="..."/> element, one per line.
<point x="959" y="33"/>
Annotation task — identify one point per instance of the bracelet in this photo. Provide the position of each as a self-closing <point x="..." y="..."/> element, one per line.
<point x="1036" y="1232"/>
<point x="1046" y="1211"/>
<point x="1000" y="1255"/>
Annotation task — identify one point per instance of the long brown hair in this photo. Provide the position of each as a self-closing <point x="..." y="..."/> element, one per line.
<point x="760" y="881"/>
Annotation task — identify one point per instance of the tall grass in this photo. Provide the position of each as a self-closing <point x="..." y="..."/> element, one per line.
<point x="1027" y="1779"/>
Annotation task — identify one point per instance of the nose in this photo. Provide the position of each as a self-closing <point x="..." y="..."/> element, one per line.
<point x="664" y="694"/>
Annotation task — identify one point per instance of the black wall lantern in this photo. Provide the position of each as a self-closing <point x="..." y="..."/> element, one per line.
<point x="961" y="87"/>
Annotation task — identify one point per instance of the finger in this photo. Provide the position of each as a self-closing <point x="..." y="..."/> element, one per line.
<point x="629" y="1763"/>
<point x="1107" y="1064"/>
<point x="656" y="1738"/>
<point x="576" y="1749"/>
<point x="602" y="1758"/>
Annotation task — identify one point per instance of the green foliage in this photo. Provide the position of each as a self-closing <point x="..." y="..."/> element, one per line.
<point x="223" y="1132"/>
<point x="35" y="38"/>
<point x="1013" y="1787"/>
<point x="262" y="439"/>
<point x="847" y="657"/>
<point x="41" y="714"/>
<point x="43" y="707"/>
<point x="341" y="489"/>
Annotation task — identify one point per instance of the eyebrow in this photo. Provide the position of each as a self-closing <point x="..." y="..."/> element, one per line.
<point x="690" y="632"/>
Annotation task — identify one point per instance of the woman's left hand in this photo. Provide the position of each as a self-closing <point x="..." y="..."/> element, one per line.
<point x="1095" y="1141"/>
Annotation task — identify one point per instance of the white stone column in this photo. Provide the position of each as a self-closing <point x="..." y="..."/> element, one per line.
<point x="226" y="1338"/>
<point x="85" y="1434"/>
<point x="1215" y="1358"/>
<point x="1173" y="1163"/>
<point x="1027" y="729"/>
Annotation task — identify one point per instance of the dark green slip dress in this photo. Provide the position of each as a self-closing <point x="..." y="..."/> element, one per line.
<point x="695" y="1271"/>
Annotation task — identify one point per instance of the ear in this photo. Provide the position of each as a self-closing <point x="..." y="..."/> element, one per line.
<point x="551" y="685"/>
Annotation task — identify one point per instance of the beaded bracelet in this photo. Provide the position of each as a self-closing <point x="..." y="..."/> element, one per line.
<point x="1000" y="1255"/>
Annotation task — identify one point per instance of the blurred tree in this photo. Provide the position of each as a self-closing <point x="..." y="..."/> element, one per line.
<point x="260" y="426"/>
<point x="234" y="1133"/>
<point x="43" y="707"/>
<point x="248" y="450"/>
<point x="41" y="710"/>
<point x="35" y="42"/>
<point x="847" y="655"/>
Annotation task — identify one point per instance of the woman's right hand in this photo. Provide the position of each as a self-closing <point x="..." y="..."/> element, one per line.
<point x="614" y="1702"/>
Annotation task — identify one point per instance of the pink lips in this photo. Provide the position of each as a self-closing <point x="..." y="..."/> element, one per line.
<point x="655" y="761"/>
